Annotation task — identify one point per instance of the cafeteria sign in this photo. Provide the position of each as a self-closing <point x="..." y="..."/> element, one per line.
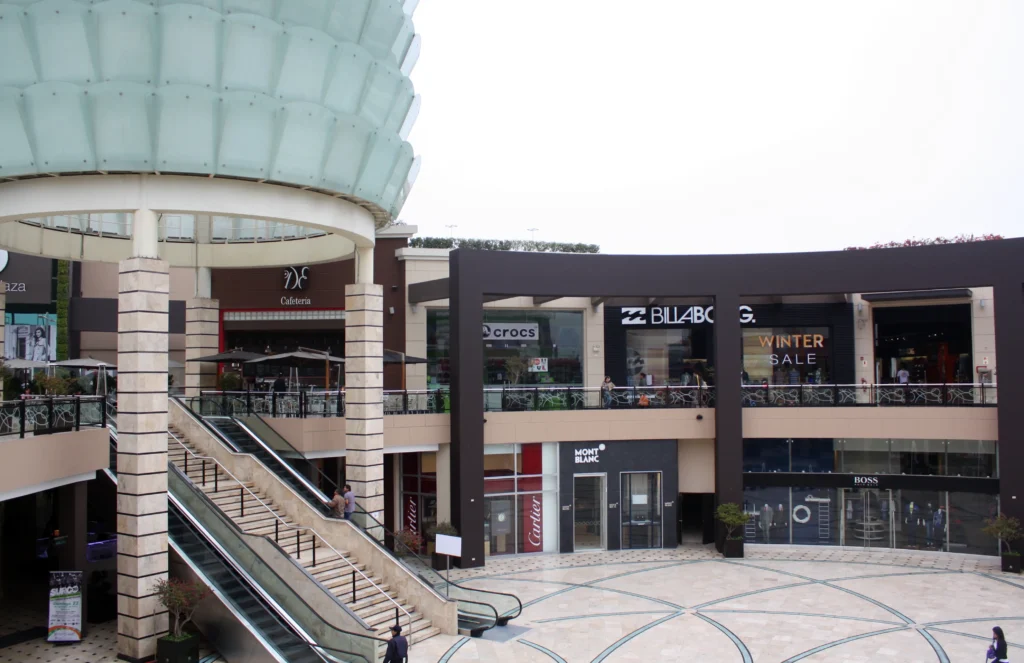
<point x="65" y="624"/>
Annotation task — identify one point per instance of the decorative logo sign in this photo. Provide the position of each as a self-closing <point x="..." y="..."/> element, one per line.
<point x="797" y="349"/>
<point x="589" y="455"/>
<point x="511" y="331"/>
<point x="535" y="537"/>
<point x="677" y="315"/>
<point x="865" y="481"/>
<point x="4" y="258"/>
<point x="295" y="278"/>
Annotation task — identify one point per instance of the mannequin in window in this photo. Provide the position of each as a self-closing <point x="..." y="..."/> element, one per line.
<point x="767" y="515"/>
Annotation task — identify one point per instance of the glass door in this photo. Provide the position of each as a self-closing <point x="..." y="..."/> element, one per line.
<point x="867" y="520"/>
<point x="588" y="509"/>
<point x="641" y="509"/>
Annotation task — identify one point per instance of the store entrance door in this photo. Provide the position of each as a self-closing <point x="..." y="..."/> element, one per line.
<point x="866" y="518"/>
<point x="588" y="509"/>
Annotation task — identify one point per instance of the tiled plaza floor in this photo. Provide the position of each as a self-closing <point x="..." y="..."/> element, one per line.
<point x="779" y="605"/>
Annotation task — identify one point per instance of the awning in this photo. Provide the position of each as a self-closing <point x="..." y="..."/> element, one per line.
<point x="395" y="357"/>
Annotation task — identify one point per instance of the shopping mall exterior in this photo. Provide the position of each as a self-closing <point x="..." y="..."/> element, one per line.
<point x="238" y="187"/>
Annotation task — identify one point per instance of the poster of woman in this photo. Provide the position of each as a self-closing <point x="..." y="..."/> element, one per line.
<point x="34" y="342"/>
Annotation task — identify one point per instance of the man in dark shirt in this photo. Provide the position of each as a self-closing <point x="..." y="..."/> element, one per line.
<point x="398" y="648"/>
<point x="279" y="384"/>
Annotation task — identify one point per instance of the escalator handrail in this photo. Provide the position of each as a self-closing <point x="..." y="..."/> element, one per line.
<point x="251" y="586"/>
<point x="288" y="466"/>
<point x="285" y="524"/>
<point x="376" y="523"/>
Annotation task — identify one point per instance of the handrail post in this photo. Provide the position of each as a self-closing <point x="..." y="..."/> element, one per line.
<point x="982" y="395"/>
<point x="338" y="405"/>
<point x="186" y="463"/>
<point x="78" y="413"/>
<point x="906" y="394"/>
<point x="298" y="545"/>
<point x="536" y="399"/>
<point x="353" y="585"/>
<point x="204" y="473"/>
<point x="273" y="403"/>
<point x="945" y="393"/>
<point x="405" y="401"/>
<point x="276" y="531"/>
<point x="835" y="395"/>
<point x="248" y="399"/>
<point x="241" y="500"/>
<point x="21" y="414"/>
<point x="216" y="486"/>
<point x="49" y="416"/>
<point x="312" y="542"/>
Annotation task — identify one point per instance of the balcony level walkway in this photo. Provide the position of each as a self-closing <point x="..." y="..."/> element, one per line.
<point x="780" y="604"/>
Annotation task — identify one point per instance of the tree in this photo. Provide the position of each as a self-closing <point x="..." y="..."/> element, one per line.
<point x="501" y="245"/>
<point x="1004" y="528"/>
<point x="181" y="599"/>
<point x="732" y="516"/>
<point x="516" y="367"/>
<point x="957" y="239"/>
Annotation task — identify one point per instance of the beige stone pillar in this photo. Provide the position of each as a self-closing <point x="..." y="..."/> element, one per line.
<point x="202" y="336"/>
<point x="364" y="398"/>
<point x="144" y="285"/>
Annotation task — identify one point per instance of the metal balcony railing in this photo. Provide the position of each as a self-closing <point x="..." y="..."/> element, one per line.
<point x="43" y="415"/>
<point x="304" y="404"/>
<point x="881" y="395"/>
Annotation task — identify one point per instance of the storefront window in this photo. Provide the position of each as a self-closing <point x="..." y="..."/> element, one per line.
<point x="525" y="347"/>
<point x="641" y="510"/>
<point x="815" y="516"/>
<point x="769" y="511"/>
<point x="932" y="343"/>
<point x="918" y="457"/>
<point x="971" y="458"/>
<point x="786" y="355"/>
<point x="865" y="456"/>
<point x="967" y="514"/>
<point x="921" y="518"/>
<point x="812" y="455"/>
<point x="666" y="356"/>
<point x="765" y="455"/>
<point x="419" y="492"/>
<point x="520" y="503"/>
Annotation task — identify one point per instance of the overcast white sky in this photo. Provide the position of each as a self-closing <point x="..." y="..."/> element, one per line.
<point x="680" y="126"/>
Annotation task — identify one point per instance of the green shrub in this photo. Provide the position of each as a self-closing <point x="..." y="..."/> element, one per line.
<point x="732" y="516"/>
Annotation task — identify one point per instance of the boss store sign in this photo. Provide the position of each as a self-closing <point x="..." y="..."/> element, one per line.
<point x="579" y="462"/>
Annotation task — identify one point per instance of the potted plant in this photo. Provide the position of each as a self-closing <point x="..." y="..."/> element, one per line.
<point x="439" y="562"/>
<point x="181" y="598"/>
<point x="411" y="542"/>
<point x="732" y="517"/>
<point x="1005" y="529"/>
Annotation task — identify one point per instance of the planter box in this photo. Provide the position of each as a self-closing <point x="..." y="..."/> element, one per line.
<point x="733" y="548"/>
<point x="1011" y="563"/>
<point x="180" y="651"/>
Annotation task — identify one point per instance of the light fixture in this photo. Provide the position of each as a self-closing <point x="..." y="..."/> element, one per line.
<point x="391" y="310"/>
<point x="981" y="303"/>
<point x="860" y="307"/>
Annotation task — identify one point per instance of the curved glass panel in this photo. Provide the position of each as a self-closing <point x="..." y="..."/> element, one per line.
<point x="304" y="131"/>
<point x="15" y="151"/>
<point x="18" y="67"/>
<point x="307" y="57"/>
<point x="126" y="42"/>
<point x="247" y="136"/>
<point x="250" y="52"/>
<point x="62" y="23"/>
<point x="185" y="139"/>
<point x="190" y="45"/>
<point x="121" y="118"/>
<point x="58" y="129"/>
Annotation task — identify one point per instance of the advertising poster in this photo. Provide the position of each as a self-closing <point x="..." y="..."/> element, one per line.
<point x="33" y="342"/>
<point x="65" y="623"/>
<point x="538" y="365"/>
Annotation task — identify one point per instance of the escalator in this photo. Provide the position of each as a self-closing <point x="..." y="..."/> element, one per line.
<point x="234" y="590"/>
<point x="478" y="610"/>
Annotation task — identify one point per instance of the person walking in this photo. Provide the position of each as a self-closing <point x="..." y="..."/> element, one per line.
<point x="350" y="502"/>
<point x="997" y="651"/>
<point x="398" y="647"/>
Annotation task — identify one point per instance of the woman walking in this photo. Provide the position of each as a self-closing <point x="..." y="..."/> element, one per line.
<point x="997" y="651"/>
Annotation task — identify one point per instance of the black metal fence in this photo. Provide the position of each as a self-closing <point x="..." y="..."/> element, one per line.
<point x="46" y="415"/>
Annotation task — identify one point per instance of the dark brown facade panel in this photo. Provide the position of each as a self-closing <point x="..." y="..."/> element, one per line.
<point x="92" y="314"/>
<point x="478" y="275"/>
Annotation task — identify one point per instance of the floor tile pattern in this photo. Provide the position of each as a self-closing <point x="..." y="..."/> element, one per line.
<point x="780" y="604"/>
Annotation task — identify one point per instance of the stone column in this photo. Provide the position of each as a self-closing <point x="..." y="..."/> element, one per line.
<point x="202" y="336"/>
<point x="142" y="313"/>
<point x="364" y="390"/>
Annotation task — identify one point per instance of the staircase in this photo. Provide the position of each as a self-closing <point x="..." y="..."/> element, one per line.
<point x="237" y="501"/>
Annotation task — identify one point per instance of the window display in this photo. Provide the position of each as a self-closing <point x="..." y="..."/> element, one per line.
<point x="641" y="509"/>
<point x="521" y="347"/>
<point x="666" y="356"/>
<point x="419" y="492"/>
<point x="520" y="503"/>
<point x="786" y="355"/>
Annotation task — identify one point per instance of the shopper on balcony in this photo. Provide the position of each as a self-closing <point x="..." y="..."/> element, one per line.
<point x="903" y="375"/>
<point x="606" y="391"/>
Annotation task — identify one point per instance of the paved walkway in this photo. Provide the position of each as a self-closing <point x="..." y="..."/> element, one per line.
<point x="779" y="605"/>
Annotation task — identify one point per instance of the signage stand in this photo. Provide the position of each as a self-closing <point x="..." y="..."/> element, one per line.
<point x="65" y="614"/>
<point x="449" y="546"/>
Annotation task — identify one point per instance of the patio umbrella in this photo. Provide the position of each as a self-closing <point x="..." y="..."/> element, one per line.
<point x="24" y="364"/>
<point x="299" y="358"/>
<point x="85" y="362"/>
<point x="230" y="357"/>
<point x="395" y="357"/>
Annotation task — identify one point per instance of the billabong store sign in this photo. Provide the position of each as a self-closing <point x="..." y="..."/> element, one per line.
<point x="677" y="315"/>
